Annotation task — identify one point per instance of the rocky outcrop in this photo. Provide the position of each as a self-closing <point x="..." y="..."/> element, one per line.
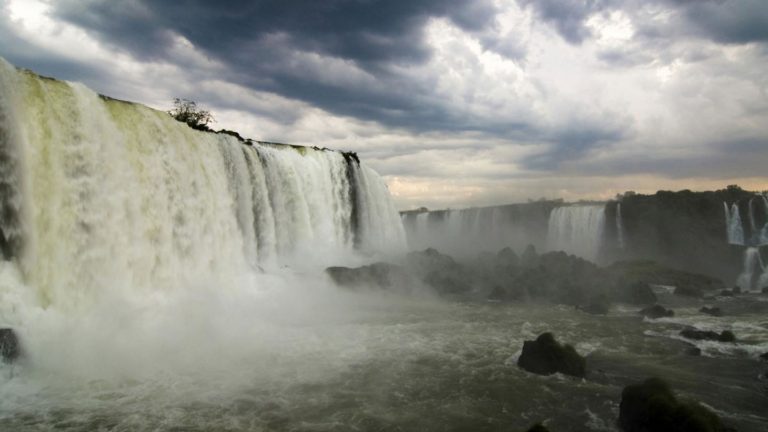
<point x="546" y="356"/>
<point x="694" y="334"/>
<point x="636" y="293"/>
<point x="10" y="348"/>
<point x="651" y="406"/>
<point x="653" y="273"/>
<point x="714" y="311"/>
<point x="657" y="311"/>
<point x="378" y="275"/>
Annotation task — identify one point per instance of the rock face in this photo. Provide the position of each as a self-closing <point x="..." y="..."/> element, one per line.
<point x="724" y="336"/>
<point x="652" y="273"/>
<point x="377" y="275"/>
<point x="657" y="311"/>
<point x="652" y="407"/>
<point x="546" y="356"/>
<point x="714" y="311"/>
<point x="9" y="345"/>
<point x="538" y="427"/>
<point x="637" y="293"/>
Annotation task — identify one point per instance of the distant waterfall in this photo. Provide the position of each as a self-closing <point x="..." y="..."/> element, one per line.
<point x="753" y="269"/>
<point x="733" y="226"/>
<point x="619" y="227"/>
<point x="97" y="192"/>
<point x="764" y="231"/>
<point x="469" y="231"/>
<point x="577" y="230"/>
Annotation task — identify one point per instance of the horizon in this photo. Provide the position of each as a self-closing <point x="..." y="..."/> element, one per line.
<point x="456" y="104"/>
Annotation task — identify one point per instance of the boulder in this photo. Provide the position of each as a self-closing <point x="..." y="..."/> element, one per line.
<point x="688" y="291"/>
<point x="714" y="311"/>
<point x="529" y="258"/>
<point x="726" y="293"/>
<point x="694" y="334"/>
<point x="538" y="427"/>
<point x="652" y="407"/>
<point x="764" y="356"/>
<point x="546" y="356"/>
<point x="508" y="257"/>
<point x="596" y="307"/>
<point x="9" y="345"/>
<point x="637" y="293"/>
<point x="765" y="290"/>
<point x="377" y="275"/>
<point x="657" y="311"/>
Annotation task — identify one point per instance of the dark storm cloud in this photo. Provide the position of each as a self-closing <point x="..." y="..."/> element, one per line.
<point x="259" y="42"/>
<point x="722" y="21"/>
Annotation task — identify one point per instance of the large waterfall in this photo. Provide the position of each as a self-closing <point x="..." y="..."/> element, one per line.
<point x="98" y="192"/>
<point x="733" y="226"/>
<point x="577" y="229"/>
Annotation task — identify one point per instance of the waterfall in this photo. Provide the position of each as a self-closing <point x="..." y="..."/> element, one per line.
<point x="619" y="226"/>
<point x="733" y="226"/>
<point x="466" y="232"/>
<point x="753" y="268"/>
<point x="577" y="230"/>
<point x="97" y="192"/>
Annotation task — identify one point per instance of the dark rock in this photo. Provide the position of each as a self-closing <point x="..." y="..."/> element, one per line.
<point x="545" y="356"/>
<point x="693" y="351"/>
<point x="736" y="289"/>
<point x="714" y="311"/>
<point x="596" y="307"/>
<point x="726" y="293"/>
<point x="379" y="275"/>
<point x="637" y="293"/>
<point x="765" y="290"/>
<point x="651" y="406"/>
<point x="440" y="272"/>
<point x="694" y="334"/>
<point x="688" y="291"/>
<point x="538" y="427"/>
<point x="9" y="345"/>
<point x="508" y="257"/>
<point x="657" y="311"/>
<point x="764" y="356"/>
<point x="529" y="258"/>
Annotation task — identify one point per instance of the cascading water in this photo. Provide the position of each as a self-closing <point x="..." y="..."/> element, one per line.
<point x="753" y="270"/>
<point x="467" y="231"/>
<point x="733" y="225"/>
<point x="97" y="192"/>
<point x="764" y="231"/>
<point x="577" y="230"/>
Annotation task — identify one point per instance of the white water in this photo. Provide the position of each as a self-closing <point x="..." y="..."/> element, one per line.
<point x="764" y="231"/>
<point x="753" y="267"/>
<point x="733" y="225"/>
<point x="467" y="231"/>
<point x="577" y="230"/>
<point x="107" y="201"/>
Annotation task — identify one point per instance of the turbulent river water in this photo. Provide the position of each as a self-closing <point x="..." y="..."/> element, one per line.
<point x="305" y="356"/>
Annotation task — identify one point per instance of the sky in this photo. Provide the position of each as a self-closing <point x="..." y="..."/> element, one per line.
<point x="456" y="103"/>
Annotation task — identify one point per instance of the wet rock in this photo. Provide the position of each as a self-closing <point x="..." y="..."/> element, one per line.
<point x="714" y="311"/>
<point x="652" y="406"/>
<point x="529" y="258"/>
<point x="694" y="334"/>
<point x="538" y="427"/>
<point x="765" y="290"/>
<point x="9" y="345"/>
<point x="736" y="289"/>
<point x="726" y="293"/>
<point x="688" y="291"/>
<point x="637" y="293"/>
<point x="693" y="351"/>
<point x="379" y="275"/>
<point x="657" y="311"/>
<point x="508" y="257"/>
<point x="764" y="357"/>
<point x="596" y="307"/>
<point x="546" y="356"/>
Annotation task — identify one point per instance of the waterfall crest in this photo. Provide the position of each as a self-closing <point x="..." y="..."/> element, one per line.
<point x="97" y="192"/>
<point x="577" y="230"/>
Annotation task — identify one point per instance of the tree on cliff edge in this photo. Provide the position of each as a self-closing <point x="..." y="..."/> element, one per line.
<point x="186" y="111"/>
